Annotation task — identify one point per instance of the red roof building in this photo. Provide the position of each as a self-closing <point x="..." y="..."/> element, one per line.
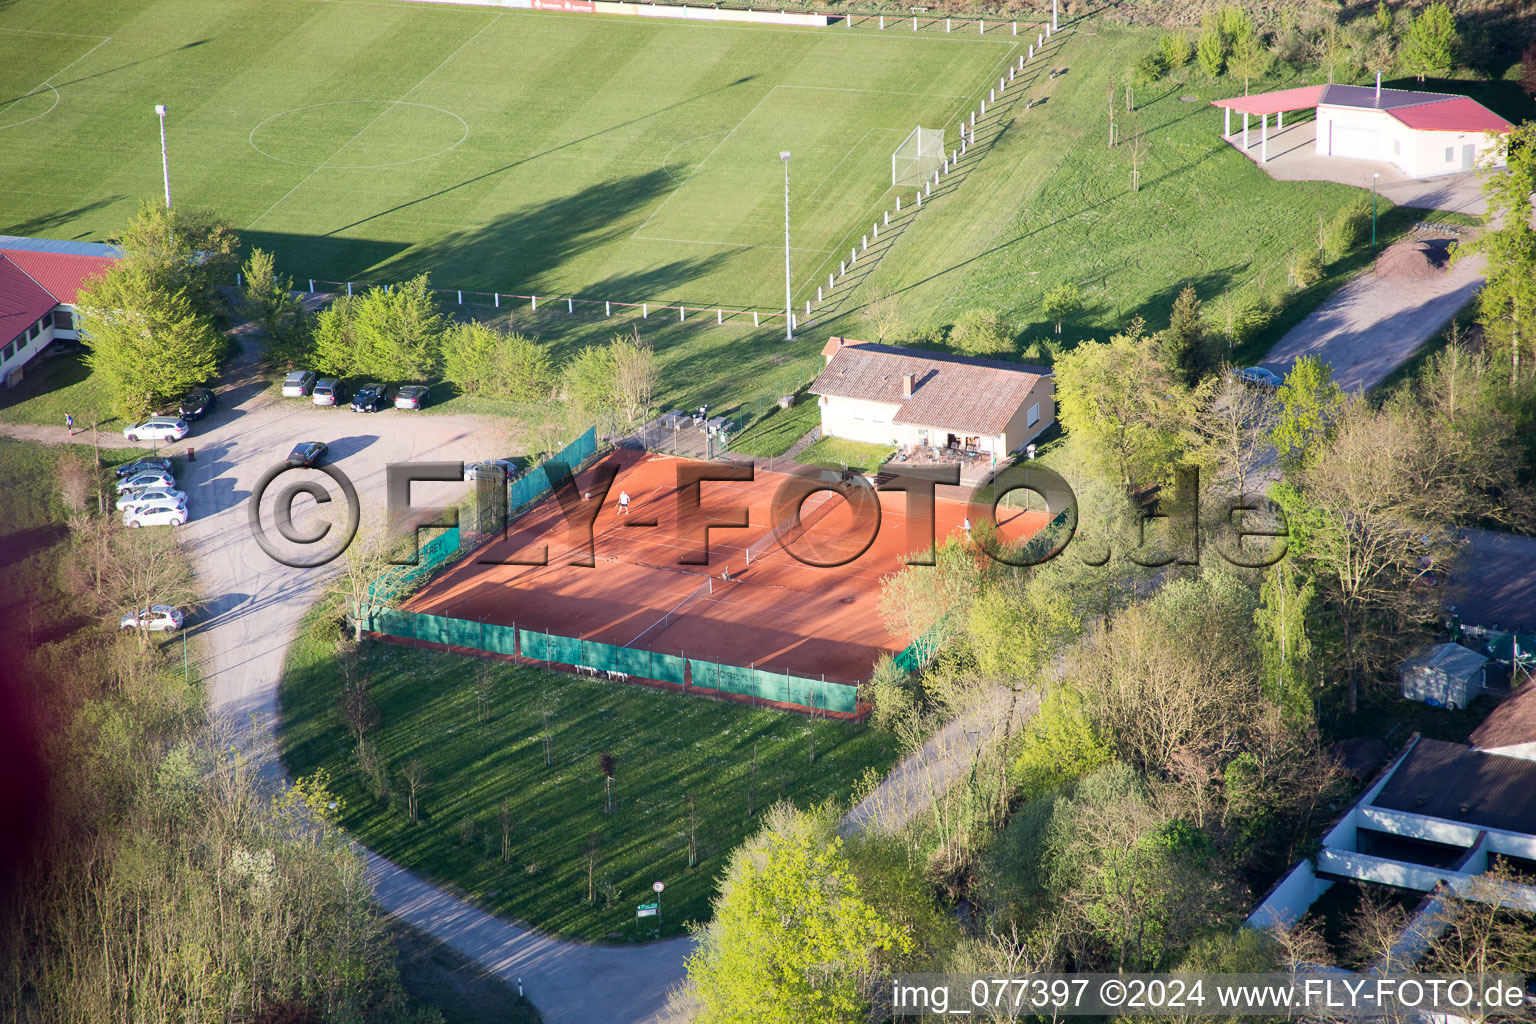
<point x="1422" y="133"/>
<point x="40" y="278"/>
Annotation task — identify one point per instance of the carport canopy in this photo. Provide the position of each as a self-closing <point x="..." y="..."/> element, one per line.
<point x="1278" y="102"/>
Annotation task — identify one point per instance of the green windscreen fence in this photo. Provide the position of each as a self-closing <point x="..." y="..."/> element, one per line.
<point x="429" y="558"/>
<point x="776" y="686"/>
<point x="564" y="650"/>
<point x="533" y="485"/>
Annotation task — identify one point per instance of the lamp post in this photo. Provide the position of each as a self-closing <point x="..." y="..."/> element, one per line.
<point x="789" y="302"/>
<point x="165" y="161"/>
<point x="1374" y="176"/>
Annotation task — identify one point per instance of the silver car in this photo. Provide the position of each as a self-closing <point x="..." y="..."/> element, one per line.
<point x="144" y="481"/>
<point x="149" y="496"/>
<point x="298" y="383"/>
<point x="160" y="428"/>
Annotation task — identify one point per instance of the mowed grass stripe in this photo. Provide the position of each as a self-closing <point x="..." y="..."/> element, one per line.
<point x="569" y="120"/>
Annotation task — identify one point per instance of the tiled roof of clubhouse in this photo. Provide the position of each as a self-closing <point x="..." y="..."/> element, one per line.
<point x="949" y="391"/>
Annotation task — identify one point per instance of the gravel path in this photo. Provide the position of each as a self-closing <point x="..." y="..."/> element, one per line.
<point x="252" y="613"/>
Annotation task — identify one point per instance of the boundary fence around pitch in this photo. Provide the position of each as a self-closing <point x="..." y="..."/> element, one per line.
<point x="748" y="684"/>
<point x="853" y="269"/>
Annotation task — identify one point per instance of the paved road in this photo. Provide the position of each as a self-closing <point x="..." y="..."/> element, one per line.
<point x="252" y="613"/>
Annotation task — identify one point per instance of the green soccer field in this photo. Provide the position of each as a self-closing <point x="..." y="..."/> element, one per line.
<point x="498" y="150"/>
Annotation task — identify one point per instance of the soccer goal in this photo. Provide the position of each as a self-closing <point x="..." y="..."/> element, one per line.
<point x="918" y="157"/>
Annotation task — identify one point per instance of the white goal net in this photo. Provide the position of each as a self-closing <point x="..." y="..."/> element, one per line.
<point x="918" y="157"/>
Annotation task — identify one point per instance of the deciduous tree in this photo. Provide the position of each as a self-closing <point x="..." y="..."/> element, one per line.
<point x="1430" y="42"/>
<point x="1061" y="303"/>
<point x="267" y="300"/>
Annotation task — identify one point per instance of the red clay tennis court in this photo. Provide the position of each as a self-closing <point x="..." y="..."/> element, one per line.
<point x="773" y="612"/>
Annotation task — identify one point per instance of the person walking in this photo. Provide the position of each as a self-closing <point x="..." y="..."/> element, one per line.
<point x="966" y="526"/>
<point x="69" y="421"/>
<point x="623" y="503"/>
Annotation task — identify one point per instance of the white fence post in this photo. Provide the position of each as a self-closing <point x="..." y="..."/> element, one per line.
<point x="535" y="299"/>
<point x="919" y="199"/>
<point x="498" y="299"/>
<point x="349" y="288"/>
<point x="1015" y="28"/>
<point x="570" y="305"/>
<point x="831" y="282"/>
<point x="807" y="307"/>
<point x="311" y="286"/>
<point x="238" y="282"/>
<point x="982" y="26"/>
<point x="719" y="316"/>
<point x="946" y="24"/>
<point x="607" y="309"/>
<point x="754" y="318"/>
<point x="682" y="314"/>
<point x="842" y="268"/>
<point x="866" y="243"/>
<point x="882" y="22"/>
<point x="645" y="311"/>
<point x="898" y="204"/>
<point x="818" y="293"/>
<point x="914" y="23"/>
<point x="461" y="296"/>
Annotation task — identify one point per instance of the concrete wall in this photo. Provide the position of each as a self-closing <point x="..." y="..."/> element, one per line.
<point x="1424" y="152"/>
<point x="1288" y="901"/>
<point x="1382" y="871"/>
<point x="1350" y="132"/>
<point x="1377" y="135"/>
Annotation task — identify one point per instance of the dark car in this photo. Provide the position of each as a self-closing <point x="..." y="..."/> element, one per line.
<point x="197" y="404"/>
<point x="412" y="396"/>
<point x="1257" y="377"/>
<point x="368" y="398"/>
<point x="306" y="453"/>
<point x="152" y="464"/>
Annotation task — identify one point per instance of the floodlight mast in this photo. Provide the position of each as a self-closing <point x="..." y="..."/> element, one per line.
<point x="165" y="160"/>
<point x="789" y="302"/>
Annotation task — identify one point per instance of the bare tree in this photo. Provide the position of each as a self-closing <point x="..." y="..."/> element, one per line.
<point x="1111" y="113"/>
<point x="882" y="313"/>
<point x="1138" y="152"/>
<point x="605" y="764"/>
<point x="504" y="819"/>
<point x="366" y="559"/>
<point x="589" y="853"/>
<point x="1233" y="431"/>
<point x="636" y="374"/>
<point x="693" y="831"/>
<point x="415" y="776"/>
<point x="485" y="689"/>
<point x="143" y="568"/>
<point x="357" y="707"/>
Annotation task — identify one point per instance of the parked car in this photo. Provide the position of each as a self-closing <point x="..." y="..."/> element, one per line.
<point x="1257" y="377"/>
<point x="144" y="465"/>
<point x="412" y="396"/>
<point x="161" y="513"/>
<point x="145" y="480"/>
<point x="159" y="428"/>
<point x="307" y="453"/>
<point x="154" y="618"/>
<point x="298" y="383"/>
<point x="135" y="497"/>
<point x="490" y="469"/>
<point x="368" y="398"/>
<point x="196" y="404"/>
<point x="329" y="391"/>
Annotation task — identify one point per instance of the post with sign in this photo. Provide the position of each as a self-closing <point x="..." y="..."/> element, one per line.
<point x="652" y="909"/>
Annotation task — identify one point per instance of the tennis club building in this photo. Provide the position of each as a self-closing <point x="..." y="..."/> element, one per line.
<point x="1421" y="133"/>
<point x="913" y="398"/>
<point x="39" y="280"/>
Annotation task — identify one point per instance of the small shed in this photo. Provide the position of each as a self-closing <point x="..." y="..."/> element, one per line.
<point x="1445" y="675"/>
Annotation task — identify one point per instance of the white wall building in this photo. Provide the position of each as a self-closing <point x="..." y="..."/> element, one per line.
<point x="911" y="398"/>
<point x="1421" y="133"/>
<point x="39" y="280"/>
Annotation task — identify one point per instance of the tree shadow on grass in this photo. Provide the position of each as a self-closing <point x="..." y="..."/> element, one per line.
<point x="45" y="223"/>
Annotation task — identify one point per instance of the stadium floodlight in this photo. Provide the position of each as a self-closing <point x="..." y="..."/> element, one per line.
<point x="789" y="315"/>
<point x="165" y="161"/>
<point x="919" y="155"/>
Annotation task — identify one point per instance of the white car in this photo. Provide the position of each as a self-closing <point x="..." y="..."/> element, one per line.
<point x="161" y="513"/>
<point x="150" y="496"/>
<point x="154" y="618"/>
<point x="161" y="428"/>
<point x="144" y="481"/>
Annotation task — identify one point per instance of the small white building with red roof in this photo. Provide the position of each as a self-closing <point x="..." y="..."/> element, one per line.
<point x="1421" y="133"/>
<point x="39" y="281"/>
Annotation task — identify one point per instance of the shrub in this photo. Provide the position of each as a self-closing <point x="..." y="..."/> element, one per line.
<point x="480" y="359"/>
<point x="981" y="332"/>
<point x="1345" y="230"/>
<point x="889" y="693"/>
<point x="1212" y="51"/>
<point x="1150" y="67"/>
<point x="1176" y="50"/>
<point x="1304" y="268"/>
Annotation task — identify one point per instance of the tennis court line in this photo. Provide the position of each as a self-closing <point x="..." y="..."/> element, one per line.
<point x="370" y="124"/>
